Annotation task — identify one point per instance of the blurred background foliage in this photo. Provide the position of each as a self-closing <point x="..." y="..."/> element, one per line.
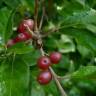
<point x="76" y="40"/>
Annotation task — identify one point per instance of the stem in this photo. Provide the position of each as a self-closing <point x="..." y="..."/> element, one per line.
<point x="41" y="22"/>
<point x="40" y="43"/>
<point x="64" y="77"/>
<point x="30" y="31"/>
<point x="63" y="93"/>
<point x="36" y="14"/>
<point x="57" y="28"/>
<point x="51" y="31"/>
<point x="43" y="14"/>
<point x="42" y="52"/>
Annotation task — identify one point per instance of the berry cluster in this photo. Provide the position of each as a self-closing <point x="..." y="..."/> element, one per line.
<point x="44" y="63"/>
<point x="23" y="32"/>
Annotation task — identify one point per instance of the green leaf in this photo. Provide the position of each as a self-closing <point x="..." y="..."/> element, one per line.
<point x="85" y="73"/>
<point x="81" y="19"/>
<point x="13" y="77"/>
<point x="50" y="42"/>
<point x="21" y="48"/>
<point x="81" y="2"/>
<point x="6" y="24"/>
<point x="49" y="89"/>
<point x="31" y="58"/>
<point x="4" y="14"/>
<point x="91" y="27"/>
<point x="12" y="4"/>
<point x="64" y="63"/>
<point x="84" y="51"/>
<point x="82" y="37"/>
<point x="10" y="24"/>
<point x="30" y="4"/>
<point x="66" y="45"/>
<point x="73" y="5"/>
<point x="74" y="91"/>
<point x="37" y="90"/>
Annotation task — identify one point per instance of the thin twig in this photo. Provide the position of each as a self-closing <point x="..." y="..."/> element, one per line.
<point x="43" y="14"/>
<point x="36" y="14"/>
<point x="63" y="93"/>
<point x="45" y="34"/>
<point x="57" y="28"/>
<point x="41" y="22"/>
<point x="30" y="31"/>
<point x="64" y="77"/>
<point x="42" y="52"/>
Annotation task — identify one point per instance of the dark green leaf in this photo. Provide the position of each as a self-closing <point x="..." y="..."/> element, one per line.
<point x="20" y="48"/>
<point x="85" y="73"/>
<point x="13" y="77"/>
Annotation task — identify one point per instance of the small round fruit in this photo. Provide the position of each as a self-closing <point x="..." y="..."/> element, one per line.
<point x="44" y="77"/>
<point x="22" y="27"/>
<point x="44" y="62"/>
<point x="55" y="57"/>
<point x="10" y="43"/>
<point x="22" y="37"/>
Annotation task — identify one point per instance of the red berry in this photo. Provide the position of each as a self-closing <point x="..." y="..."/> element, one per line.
<point x="22" y="37"/>
<point x="28" y="35"/>
<point x="22" y="27"/>
<point x="44" y="62"/>
<point x="55" y="57"/>
<point x="10" y="43"/>
<point x="44" y="77"/>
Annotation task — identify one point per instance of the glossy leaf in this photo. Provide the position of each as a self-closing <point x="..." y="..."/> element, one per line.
<point x="20" y="48"/>
<point x="13" y="77"/>
<point x="85" y="73"/>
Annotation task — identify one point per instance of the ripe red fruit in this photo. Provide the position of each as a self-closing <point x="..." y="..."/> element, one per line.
<point x="44" y="77"/>
<point x="44" y="62"/>
<point x="55" y="57"/>
<point x="10" y="43"/>
<point x="23" y="37"/>
<point x="22" y="27"/>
